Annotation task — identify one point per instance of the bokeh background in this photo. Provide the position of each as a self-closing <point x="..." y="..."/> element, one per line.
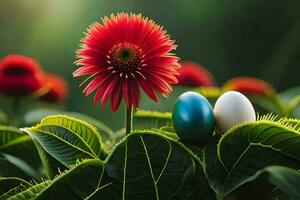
<point x="259" y="38"/>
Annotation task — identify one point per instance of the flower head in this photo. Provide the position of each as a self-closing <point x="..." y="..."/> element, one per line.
<point x="57" y="88"/>
<point x="19" y="75"/>
<point x="123" y="54"/>
<point x="249" y="86"/>
<point x="193" y="74"/>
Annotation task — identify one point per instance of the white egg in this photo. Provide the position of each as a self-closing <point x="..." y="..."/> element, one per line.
<point x="233" y="108"/>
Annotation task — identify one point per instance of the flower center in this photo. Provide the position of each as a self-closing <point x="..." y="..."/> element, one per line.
<point x="125" y="58"/>
<point x="125" y="54"/>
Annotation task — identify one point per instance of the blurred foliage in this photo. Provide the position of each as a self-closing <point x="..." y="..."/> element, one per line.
<point x="230" y="38"/>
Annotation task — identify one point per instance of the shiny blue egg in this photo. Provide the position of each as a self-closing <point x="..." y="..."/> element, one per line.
<point x="193" y="117"/>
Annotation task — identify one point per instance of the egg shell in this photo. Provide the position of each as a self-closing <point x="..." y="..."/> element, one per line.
<point x="193" y="117"/>
<point x="233" y="108"/>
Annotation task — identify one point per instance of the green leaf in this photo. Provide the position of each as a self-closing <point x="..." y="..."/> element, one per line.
<point x="35" y="116"/>
<point x="106" y="133"/>
<point x="62" y="141"/>
<point x="150" y="119"/>
<point x="77" y="183"/>
<point x="108" y="137"/>
<point x="212" y="166"/>
<point x="8" y="134"/>
<point x="16" y="151"/>
<point x="84" y="131"/>
<point x="16" y="143"/>
<point x="167" y="132"/>
<point x="144" y="165"/>
<point x="148" y="165"/>
<point x="56" y="154"/>
<point x="168" y="129"/>
<point x="29" y="193"/>
<point x="293" y="123"/>
<point x="286" y="179"/>
<point x="250" y="147"/>
<point x="271" y="182"/>
<point x="7" y="184"/>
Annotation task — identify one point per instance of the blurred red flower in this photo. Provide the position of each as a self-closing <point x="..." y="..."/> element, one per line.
<point x="123" y="54"/>
<point x="193" y="75"/>
<point x="249" y="85"/>
<point x="19" y="75"/>
<point x="57" y="88"/>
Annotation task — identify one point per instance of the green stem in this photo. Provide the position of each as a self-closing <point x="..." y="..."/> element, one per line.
<point x="15" y="111"/>
<point x="128" y="120"/>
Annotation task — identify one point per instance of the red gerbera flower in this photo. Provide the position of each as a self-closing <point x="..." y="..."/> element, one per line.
<point x="249" y="85"/>
<point x="19" y="75"/>
<point x="57" y="88"/>
<point x="124" y="53"/>
<point x="193" y="74"/>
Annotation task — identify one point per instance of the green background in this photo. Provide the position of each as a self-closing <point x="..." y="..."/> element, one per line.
<point x="259" y="38"/>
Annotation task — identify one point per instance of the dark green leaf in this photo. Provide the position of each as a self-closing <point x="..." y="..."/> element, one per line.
<point x="166" y="133"/>
<point x="10" y="183"/>
<point x="82" y="131"/>
<point x="250" y="147"/>
<point x="213" y="168"/>
<point x="77" y="183"/>
<point x="105" y="132"/>
<point x="144" y="165"/>
<point x="62" y="141"/>
<point x="147" y="165"/>
<point x="272" y="182"/>
<point x="29" y="193"/>
<point x="18" y="154"/>
<point x="35" y="116"/>
<point x="286" y="179"/>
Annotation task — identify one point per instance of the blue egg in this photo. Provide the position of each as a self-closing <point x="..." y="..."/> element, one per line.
<point x="193" y="117"/>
